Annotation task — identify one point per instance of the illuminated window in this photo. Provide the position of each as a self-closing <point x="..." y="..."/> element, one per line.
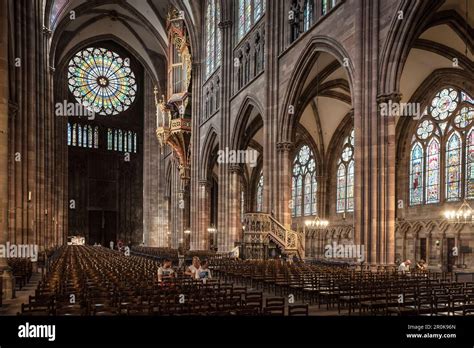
<point x="327" y="5"/>
<point x="304" y="183"/>
<point x="102" y="81"/>
<point x="307" y="15"/>
<point x="250" y="11"/>
<point x="438" y="147"/>
<point x="213" y="36"/>
<point x="345" y="177"/>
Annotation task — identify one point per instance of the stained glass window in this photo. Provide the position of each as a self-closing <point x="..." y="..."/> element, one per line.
<point x="304" y="190"/>
<point x="416" y="175"/>
<point x="110" y="139"/>
<point x="259" y="9"/>
<point x="241" y="18"/>
<point x="341" y="188"/>
<point x="432" y="176"/>
<point x="467" y="98"/>
<point x="250" y="11"/>
<point x="350" y="187"/>
<point x="260" y="193"/>
<point x="82" y="135"/>
<point x="79" y="135"/>
<point x="69" y="134"/>
<point x="125" y="141"/>
<point x="115" y="140"/>
<point x="444" y="103"/>
<point x="248" y="15"/>
<point x="425" y="129"/>
<point x="439" y="139"/>
<point x="464" y="117"/>
<point x="327" y="5"/>
<point x="74" y="134"/>
<point x="307" y="14"/>
<point x="213" y="36"/>
<point x="120" y="140"/>
<point x="90" y="137"/>
<point x="102" y="81"/>
<point x="324" y="6"/>
<point x="298" y="195"/>
<point x="470" y="165"/>
<point x="96" y="137"/>
<point x="345" y="177"/>
<point x="135" y="148"/>
<point x="453" y="168"/>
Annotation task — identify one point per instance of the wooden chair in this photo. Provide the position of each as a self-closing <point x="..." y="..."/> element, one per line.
<point x="298" y="310"/>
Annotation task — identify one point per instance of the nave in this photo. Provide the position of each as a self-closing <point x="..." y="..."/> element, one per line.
<point x="97" y="281"/>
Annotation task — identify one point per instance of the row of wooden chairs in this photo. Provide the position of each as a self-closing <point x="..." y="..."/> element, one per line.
<point x="369" y="291"/>
<point x="85" y="280"/>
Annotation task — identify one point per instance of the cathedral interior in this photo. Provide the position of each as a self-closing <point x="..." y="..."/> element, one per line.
<point x="280" y="142"/>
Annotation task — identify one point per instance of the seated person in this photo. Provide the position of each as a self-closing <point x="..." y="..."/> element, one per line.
<point x="165" y="272"/>
<point x="421" y="266"/>
<point x="192" y="270"/>
<point x="404" y="267"/>
<point x="204" y="272"/>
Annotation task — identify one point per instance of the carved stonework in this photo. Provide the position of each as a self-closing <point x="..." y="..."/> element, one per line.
<point x="235" y="168"/>
<point x="395" y="97"/>
<point x="46" y="32"/>
<point x="225" y="24"/>
<point x="285" y="146"/>
<point x="204" y="188"/>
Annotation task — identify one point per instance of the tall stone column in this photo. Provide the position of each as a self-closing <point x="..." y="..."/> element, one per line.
<point x="225" y="227"/>
<point x="284" y="150"/>
<point x="374" y="142"/>
<point x="5" y="271"/>
<point x="272" y="201"/>
<point x="196" y="208"/>
<point x="153" y="173"/>
<point x="200" y="238"/>
<point x="235" y="230"/>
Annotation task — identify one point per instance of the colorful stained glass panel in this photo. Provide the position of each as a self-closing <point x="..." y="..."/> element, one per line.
<point x="102" y="81"/>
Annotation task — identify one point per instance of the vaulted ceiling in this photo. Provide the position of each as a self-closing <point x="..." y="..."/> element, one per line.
<point x="445" y="41"/>
<point x="138" y="25"/>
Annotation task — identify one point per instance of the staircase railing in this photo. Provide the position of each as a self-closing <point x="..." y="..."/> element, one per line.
<point x="262" y="226"/>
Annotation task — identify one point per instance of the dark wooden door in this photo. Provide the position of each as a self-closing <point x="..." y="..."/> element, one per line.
<point x="102" y="227"/>
<point x="95" y="227"/>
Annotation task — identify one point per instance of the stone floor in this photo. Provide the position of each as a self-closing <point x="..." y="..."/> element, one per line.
<point x="13" y="306"/>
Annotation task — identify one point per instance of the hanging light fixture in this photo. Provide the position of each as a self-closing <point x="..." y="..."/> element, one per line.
<point x="317" y="223"/>
<point x="463" y="215"/>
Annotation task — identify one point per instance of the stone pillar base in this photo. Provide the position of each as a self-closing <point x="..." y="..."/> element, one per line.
<point x="7" y="284"/>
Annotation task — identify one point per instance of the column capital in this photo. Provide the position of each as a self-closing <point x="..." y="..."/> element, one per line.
<point x="204" y="183"/>
<point x="392" y="96"/>
<point x="225" y="24"/>
<point x="235" y="168"/>
<point x="285" y="146"/>
<point x="47" y="31"/>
